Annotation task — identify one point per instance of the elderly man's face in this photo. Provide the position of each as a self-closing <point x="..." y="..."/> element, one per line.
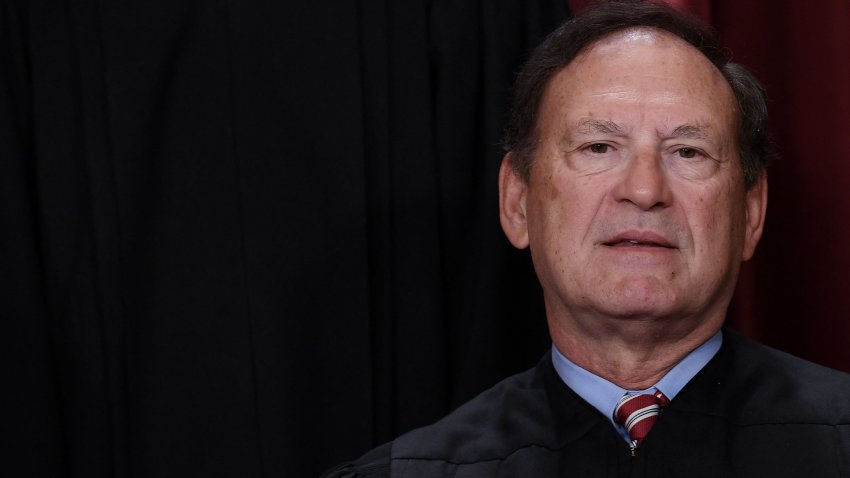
<point x="636" y="204"/>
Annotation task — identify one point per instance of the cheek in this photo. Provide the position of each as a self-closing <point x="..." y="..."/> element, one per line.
<point x="547" y="214"/>
<point x="562" y="207"/>
<point x="560" y="202"/>
<point x="716" y="224"/>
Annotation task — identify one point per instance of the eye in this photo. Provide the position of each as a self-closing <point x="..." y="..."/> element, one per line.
<point x="687" y="153"/>
<point x="599" y="148"/>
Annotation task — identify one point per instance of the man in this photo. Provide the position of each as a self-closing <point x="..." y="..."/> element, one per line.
<point x="635" y="175"/>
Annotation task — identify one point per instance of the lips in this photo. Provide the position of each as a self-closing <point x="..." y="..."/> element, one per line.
<point x="639" y="239"/>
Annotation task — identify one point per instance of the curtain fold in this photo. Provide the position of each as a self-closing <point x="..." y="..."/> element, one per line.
<point x="793" y="295"/>
<point x="253" y="239"/>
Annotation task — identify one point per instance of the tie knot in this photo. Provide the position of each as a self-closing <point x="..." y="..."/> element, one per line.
<point x="638" y="413"/>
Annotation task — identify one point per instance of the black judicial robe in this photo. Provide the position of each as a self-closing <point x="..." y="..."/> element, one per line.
<point x="752" y="411"/>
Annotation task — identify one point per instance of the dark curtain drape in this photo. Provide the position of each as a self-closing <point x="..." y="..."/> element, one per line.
<point x="252" y="238"/>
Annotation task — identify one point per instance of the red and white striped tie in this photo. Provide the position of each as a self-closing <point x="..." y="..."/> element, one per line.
<point x="638" y="413"/>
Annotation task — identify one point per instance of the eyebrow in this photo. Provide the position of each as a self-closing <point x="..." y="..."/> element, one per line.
<point x="690" y="131"/>
<point x="589" y="126"/>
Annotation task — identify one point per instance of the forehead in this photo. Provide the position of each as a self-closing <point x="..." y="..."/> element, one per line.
<point x="641" y="70"/>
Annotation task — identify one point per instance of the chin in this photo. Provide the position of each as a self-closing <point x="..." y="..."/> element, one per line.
<point x="645" y="298"/>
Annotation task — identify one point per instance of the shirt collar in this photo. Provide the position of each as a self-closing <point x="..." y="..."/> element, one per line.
<point x="604" y="395"/>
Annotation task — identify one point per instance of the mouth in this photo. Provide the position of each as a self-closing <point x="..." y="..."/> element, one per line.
<point x="643" y="240"/>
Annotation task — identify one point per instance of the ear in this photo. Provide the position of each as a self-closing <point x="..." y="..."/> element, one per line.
<point x="513" y="192"/>
<point x="756" y="211"/>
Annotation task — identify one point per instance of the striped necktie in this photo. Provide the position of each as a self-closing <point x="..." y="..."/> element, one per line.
<point x="638" y="413"/>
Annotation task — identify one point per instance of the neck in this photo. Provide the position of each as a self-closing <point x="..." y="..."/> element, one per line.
<point x="633" y="353"/>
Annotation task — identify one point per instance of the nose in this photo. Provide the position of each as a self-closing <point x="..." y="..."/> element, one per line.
<point x="644" y="182"/>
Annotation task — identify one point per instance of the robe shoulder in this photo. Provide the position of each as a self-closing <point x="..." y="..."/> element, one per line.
<point x="507" y="418"/>
<point x="772" y="386"/>
<point x="374" y="464"/>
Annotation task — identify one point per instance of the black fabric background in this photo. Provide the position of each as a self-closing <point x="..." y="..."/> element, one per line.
<point x="252" y="238"/>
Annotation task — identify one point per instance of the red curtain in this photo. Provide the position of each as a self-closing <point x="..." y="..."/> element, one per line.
<point x="795" y="293"/>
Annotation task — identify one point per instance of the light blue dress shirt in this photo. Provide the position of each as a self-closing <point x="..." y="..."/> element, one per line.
<point x="604" y="395"/>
